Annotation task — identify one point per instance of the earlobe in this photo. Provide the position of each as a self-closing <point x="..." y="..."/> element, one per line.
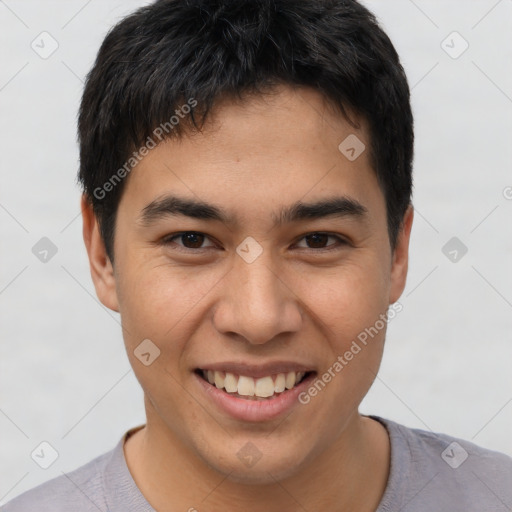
<point x="102" y="271"/>
<point x="400" y="260"/>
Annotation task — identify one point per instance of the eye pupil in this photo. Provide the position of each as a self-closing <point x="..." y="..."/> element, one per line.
<point x="195" y="239"/>
<point x="318" y="239"/>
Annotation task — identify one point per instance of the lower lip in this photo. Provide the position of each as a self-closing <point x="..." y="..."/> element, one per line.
<point x="255" y="410"/>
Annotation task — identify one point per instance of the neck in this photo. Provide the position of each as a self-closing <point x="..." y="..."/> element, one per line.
<point x="350" y="475"/>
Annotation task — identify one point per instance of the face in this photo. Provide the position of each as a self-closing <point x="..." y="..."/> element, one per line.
<point x="254" y="254"/>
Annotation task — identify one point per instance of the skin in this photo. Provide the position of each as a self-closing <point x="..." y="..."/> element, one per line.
<point x="295" y="302"/>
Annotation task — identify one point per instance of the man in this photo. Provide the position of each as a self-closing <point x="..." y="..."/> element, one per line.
<point x="247" y="210"/>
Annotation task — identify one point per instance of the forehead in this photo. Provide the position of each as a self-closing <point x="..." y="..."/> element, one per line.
<point x="259" y="155"/>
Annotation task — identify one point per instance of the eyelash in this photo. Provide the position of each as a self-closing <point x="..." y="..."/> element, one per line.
<point x="168" y="240"/>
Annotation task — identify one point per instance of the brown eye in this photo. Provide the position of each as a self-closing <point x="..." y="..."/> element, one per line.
<point x="188" y="240"/>
<point x="192" y="240"/>
<point x="319" y="241"/>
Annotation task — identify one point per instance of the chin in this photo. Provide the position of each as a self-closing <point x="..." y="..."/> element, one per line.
<point x="273" y="464"/>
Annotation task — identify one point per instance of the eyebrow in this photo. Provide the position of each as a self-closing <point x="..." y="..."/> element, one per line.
<point x="170" y="206"/>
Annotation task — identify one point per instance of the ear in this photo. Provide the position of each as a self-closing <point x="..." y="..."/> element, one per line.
<point x="102" y="271"/>
<point x="400" y="259"/>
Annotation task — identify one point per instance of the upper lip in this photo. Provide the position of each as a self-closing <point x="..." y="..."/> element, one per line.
<point x="257" y="371"/>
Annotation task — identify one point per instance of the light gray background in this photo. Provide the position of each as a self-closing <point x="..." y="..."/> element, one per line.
<point x="64" y="375"/>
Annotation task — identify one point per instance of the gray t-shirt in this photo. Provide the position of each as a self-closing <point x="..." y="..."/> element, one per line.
<point x="428" y="472"/>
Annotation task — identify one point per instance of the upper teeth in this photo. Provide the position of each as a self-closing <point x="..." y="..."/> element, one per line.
<point x="247" y="386"/>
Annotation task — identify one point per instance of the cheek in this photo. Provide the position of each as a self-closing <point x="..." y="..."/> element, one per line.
<point x="162" y="302"/>
<point x="344" y="300"/>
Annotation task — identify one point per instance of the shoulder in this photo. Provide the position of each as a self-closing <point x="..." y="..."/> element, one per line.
<point x="81" y="490"/>
<point x="431" y="467"/>
<point x="452" y="451"/>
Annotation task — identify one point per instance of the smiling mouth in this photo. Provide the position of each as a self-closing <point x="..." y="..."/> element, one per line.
<point x="249" y="388"/>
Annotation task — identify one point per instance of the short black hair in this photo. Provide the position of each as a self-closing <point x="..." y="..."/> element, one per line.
<point x="176" y="57"/>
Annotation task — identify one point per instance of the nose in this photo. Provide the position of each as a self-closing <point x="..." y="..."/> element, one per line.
<point x="257" y="303"/>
